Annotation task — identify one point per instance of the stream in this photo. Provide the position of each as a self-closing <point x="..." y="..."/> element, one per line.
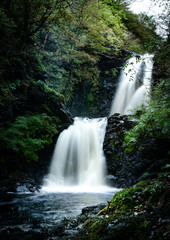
<point x="27" y="215"/>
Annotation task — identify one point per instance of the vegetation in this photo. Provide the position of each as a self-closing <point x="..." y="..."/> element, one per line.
<point x="27" y="135"/>
<point x="55" y="46"/>
<point x="134" y="213"/>
<point x="152" y="121"/>
<point x="48" y="49"/>
<point x="74" y="50"/>
<point x="65" y="40"/>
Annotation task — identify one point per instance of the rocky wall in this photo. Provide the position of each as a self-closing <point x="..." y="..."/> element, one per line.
<point x="125" y="169"/>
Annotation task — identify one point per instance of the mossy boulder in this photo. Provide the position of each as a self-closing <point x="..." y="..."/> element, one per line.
<point x="140" y="212"/>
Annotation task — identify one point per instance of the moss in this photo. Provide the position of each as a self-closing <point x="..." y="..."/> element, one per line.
<point x="95" y="228"/>
<point x="90" y="97"/>
<point x="112" y="143"/>
<point x="134" y="213"/>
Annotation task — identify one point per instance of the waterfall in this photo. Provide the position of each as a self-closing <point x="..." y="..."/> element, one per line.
<point x="78" y="158"/>
<point x="134" y="85"/>
<point x="78" y="162"/>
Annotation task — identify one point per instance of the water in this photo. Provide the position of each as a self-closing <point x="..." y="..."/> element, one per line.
<point x="134" y="85"/>
<point x="78" y="162"/>
<point x="27" y="213"/>
<point x="76" y="180"/>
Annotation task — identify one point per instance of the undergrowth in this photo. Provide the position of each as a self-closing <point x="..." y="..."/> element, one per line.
<point x="152" y="121"/>
<point x="27" y="135"/>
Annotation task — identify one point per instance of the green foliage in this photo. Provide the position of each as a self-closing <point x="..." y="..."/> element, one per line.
<point x="68" y="36"/>
<point x="90" y="97"/>
<point x="142" y="33"/>
<point x="153" y="121"/>
<point x="114" y="72"/>
<point x="27" y="135"/>
<point x="74" y="67"/>
<point x="70" y="52"/>
<point x="51" y="92"/>
<point x="20" y="24"/>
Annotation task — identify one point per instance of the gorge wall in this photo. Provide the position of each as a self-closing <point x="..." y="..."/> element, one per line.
<point x="127" y="168"/>
<point x="96" y="101"/>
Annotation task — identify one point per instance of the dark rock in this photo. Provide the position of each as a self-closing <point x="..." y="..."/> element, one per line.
<point x="129" y="168"/>
<point x="80" y="105"/>
<point x="92" y="210"/>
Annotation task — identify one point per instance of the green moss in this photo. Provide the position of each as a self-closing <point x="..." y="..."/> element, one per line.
<point x="90" y="97"/>
<point x="112" y="143"/>
<point x="95" y="228"/>
<point x="131" y="213"/>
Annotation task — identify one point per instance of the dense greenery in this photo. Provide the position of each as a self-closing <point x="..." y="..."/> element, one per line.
<point x="27" y="135"/>
<point x="99" y="29"/>
<point x="61" y="41"/>
<point x="20" y="22"/>
<point x="152" y="120"/>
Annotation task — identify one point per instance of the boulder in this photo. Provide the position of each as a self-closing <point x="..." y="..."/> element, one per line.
<point x="127" y="168"/>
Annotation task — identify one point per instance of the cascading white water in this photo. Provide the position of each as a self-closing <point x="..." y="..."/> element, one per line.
<point x="78" y="162"/>
<point x="134" y="85"/>
<point x="78" y="159"/>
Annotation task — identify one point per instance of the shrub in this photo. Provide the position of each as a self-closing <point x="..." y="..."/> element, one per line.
<point x="27" y="135"/>
<point x="153" y="121"/>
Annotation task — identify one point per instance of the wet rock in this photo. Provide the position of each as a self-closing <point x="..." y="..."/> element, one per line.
<point x="129" y="168"/>
<point x="71" y="227"/>
<point x="92" y="210"/>
<point x="99" y="106"/>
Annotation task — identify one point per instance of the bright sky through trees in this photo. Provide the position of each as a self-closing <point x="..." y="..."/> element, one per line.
<point x="147" y="6"/>
<point x="156" y="8"/>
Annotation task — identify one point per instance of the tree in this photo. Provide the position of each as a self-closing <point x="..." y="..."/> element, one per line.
<point x="20" y="21"/>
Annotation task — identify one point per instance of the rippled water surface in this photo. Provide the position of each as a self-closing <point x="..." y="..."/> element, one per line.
<point x="37" y="210"/>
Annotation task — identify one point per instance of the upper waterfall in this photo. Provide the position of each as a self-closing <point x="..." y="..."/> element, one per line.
<point x="134" y="85"/>
<point x="78" y="158"/>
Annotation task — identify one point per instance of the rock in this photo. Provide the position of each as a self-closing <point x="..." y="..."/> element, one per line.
<point x="134" y="213"/>
<point x="92" y="210"/>
<point x="99" y="105"/>
<point x="129" y="168"/>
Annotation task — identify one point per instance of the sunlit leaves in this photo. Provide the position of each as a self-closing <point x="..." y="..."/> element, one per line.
<point x="153" y="121"/>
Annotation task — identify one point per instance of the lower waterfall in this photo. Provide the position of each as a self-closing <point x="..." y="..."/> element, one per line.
<point x="134" y="85"/>
<point x="78" y="161"/>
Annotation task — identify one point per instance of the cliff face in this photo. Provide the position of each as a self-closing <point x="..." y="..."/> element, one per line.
<point x="96" y="101"/>
<point x="145" y="161"/>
